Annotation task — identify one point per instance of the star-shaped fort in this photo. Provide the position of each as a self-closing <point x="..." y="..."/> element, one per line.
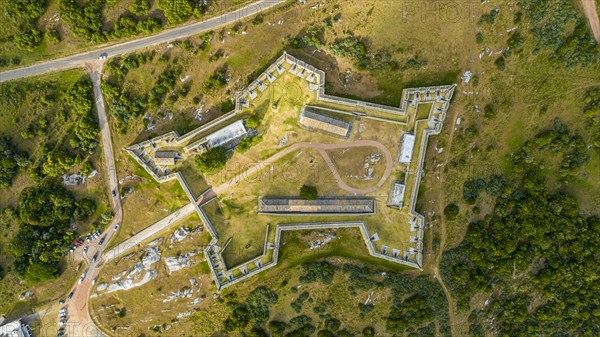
<point x="362" y="161"/>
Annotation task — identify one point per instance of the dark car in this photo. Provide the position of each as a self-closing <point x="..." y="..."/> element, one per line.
<point x="70" y="295"/>
<point x="114" y="193"/>
<point x="102" y="240"/>
<point x="95" y="258"/>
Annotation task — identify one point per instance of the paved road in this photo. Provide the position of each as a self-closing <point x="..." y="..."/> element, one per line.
<point x="321" y="148"/>
<point x="149" y="232"/>
<point x="589" y="8"/>
<point x="79" y="321"/>
<point x="82" y="59"/>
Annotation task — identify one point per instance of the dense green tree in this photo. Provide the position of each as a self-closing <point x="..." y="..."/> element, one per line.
<point x="29" y="39"/>
<point x="45" y="215"/>
<point x="317" y="271"/>
<point x="254" y="308"/>
<point x="10" y="161"/>
<point x="536" y="234"/>
<point x="277" y="328"/>
<point x="84" y="21"/>
<point x="139" y="7"/>
<point x="27" y="9"/>
<point x="253" y="121"/>
<point x="178" y="11"/>
<point x="212" y="160"/>
<point x="451" y="211"/>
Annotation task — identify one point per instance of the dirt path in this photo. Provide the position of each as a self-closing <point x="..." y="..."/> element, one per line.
<point x="441" y="202"/>
<point x="589" y="9"/>
<point x="321" y="148"/>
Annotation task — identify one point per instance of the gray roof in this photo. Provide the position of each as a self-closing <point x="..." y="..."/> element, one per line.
<point x="326" y="123"/>
<point x="282" y="205"/>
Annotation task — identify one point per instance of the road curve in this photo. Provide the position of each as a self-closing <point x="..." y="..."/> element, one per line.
<point x="321" y="148"/>
<point x="590" y="11"/>
<point x="80" y="60"/>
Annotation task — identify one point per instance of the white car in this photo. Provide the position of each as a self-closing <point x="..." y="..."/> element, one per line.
<point x="94" y="280"/>
<point x="117" y="226"/>
<point x="102" y="56"/>
<point x="82" y="277"/>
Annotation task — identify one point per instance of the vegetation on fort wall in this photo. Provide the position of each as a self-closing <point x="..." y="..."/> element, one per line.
<point x="526" y="253"/>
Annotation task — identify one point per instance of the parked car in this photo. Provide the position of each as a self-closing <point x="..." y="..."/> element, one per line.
<point x="95" y="258"/>
<point x="70" y="295"/>
<point x="102" y="240"/>
<point x="85" y="249"/>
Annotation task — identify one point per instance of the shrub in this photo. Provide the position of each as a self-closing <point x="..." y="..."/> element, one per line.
<point x="258" y="20"/>
<point x="479" y="37"/>
<point x="451" y="211"/>
<point x="53" y="36"/>
<point x="488" y="111"/>
<point x="308" y="192"/>
<point x="500" y="63"/>
<point x="368" y="332"/>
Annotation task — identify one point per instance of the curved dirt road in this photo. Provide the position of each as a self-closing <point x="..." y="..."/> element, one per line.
<point x="321" y="148"/>
<point x="590" y="11"/>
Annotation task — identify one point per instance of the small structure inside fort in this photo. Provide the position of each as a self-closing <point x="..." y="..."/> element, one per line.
<point x="320" y="122"/>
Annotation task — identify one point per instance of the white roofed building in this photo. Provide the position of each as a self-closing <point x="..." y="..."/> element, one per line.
<point x="15" y="329"/>
<point x="228" y="136"/>
<point x="408" y="145"/>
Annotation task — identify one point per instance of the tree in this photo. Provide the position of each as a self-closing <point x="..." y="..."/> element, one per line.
<point x="27" y="9"/>
<point x="308" y="192"/>
<point x="86" y="21"/>
<point x="500" y="63"/>
<point x="10" y="161"/>
<point x="177" y="11"/>
<point x="451" y="211"/>
<point x="139" y="7"/>
<point x="29" y="39"/>
<point x="212" y="160"/>
<point x="45" y="214"/>
<point x="277" y="328"/>
<point x="253" y="121"/>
